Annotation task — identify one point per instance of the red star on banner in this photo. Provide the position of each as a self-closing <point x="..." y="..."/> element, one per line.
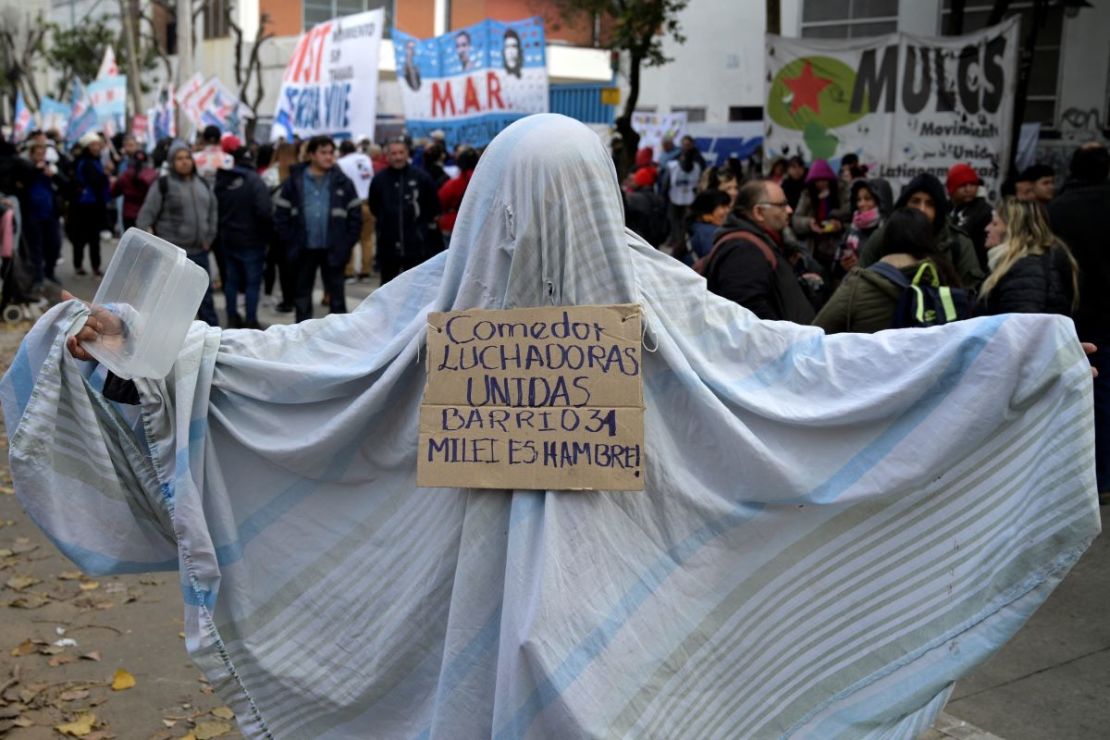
<point x="806" y="87"/>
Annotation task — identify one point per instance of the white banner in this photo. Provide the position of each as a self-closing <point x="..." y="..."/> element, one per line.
<point x="904" y="104"/>
<point x="331" y="83"/>
<point x="654" y="127"/>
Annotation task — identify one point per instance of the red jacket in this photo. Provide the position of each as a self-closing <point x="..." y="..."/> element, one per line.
<point x="450" y="198"/>
<point x="133" y="189"/>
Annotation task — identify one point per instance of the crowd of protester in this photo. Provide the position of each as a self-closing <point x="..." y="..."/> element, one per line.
<point x="811" y="244"/>
<point x="803" y="241"/>
<point x="263" y="219"/>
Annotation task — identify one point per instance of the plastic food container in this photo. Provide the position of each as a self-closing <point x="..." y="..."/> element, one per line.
<point x="146" y="302"/>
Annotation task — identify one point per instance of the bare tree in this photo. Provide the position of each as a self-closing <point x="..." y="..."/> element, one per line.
<point x="21" y="39"/>
<point x="252" y="69"/>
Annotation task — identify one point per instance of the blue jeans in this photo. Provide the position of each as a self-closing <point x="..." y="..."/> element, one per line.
<point x="243" y="275"/>
<point x="207" y="312"/>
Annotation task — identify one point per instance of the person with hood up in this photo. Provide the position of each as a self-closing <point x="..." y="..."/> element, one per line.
<point x="926" y="194"/>
<point x="970" y="211"/>
<point x="89" y="211"/>
<point x="788" y="568"/>
<point x="871" y="201"/>
<point x="818" y="219"/>
<point x="866" y="301"/>
<point x="181" y="209"/>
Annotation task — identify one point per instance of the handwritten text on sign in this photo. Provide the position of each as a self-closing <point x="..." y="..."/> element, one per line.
<point x="534" y="398"/>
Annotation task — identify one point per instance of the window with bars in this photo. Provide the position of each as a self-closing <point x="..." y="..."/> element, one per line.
<point x="848" y="19"/>
<point x="215" y="19"/>
<point x="693" y="115"/>
<point x="1040" y="102"/>
<point x="318" y="11"/>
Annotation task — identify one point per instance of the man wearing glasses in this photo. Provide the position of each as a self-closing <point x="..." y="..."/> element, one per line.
<point x="748" y="264"/>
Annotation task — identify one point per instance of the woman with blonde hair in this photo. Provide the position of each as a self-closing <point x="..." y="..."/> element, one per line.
<point x="1033" y="270"/>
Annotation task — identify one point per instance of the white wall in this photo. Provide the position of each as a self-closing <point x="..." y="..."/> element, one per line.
<point x="720" y="65"/>
<point x="1084" y="73"/>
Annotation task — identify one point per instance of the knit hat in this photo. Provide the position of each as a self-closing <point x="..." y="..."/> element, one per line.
<point x="88" y="138"/>
<point x="961" y="174"/>
<point x="644" y="177"/>
<point x="820" y="170"/>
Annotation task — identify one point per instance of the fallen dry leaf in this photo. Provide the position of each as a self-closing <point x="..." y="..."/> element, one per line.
<point x="24" y="648"/>
<point x="79" y="727"/>
<point x="23" y="545"/>
<point x="89" y="585"/>
<point x="181" y="635"/>
<point x="6" y="490"/>
<point x="69" y="575"/>
<point x="51" y="650"/>
<point x="122" y="680"/>
<point x="223" y="713"/>
<point x="24" y="722"/>
<point x="100" y="735"/>
<point x="209" y="730"/>
<point x="18" y="583"/>
<point x="169" y="722"/>
<point x="5" y="552"/>
<point x="58" y="660"/>
<point x="74" y="694"/>
<point x="33" y="600"/>
<point x="91" y="655"/>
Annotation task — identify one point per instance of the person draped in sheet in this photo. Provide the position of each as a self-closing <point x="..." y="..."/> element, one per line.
<point x="832" y="529"/>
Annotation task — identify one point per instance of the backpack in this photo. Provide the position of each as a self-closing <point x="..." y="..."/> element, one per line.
<point x="701" y="266"/>
<point x="924" y="301"/>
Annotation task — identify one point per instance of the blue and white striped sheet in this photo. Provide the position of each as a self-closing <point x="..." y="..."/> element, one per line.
<point x="833" y="529"/>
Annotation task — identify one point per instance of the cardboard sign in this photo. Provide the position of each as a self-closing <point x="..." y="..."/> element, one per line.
<point x="534" y="398"/>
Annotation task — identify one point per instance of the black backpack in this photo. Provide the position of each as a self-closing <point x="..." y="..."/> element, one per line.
<point x="924" y="301"/>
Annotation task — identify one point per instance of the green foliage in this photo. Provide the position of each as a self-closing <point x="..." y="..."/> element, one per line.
<point x="76" y="52"/>
<point x="636" y="26"/>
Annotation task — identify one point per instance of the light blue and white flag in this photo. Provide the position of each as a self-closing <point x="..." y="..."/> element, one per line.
<point x="24" y="118"/>
<point x="54" y="114"/>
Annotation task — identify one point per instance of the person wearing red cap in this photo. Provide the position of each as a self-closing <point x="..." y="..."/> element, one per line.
<point x="970" y="211"/>
<point x="212" y="156"/>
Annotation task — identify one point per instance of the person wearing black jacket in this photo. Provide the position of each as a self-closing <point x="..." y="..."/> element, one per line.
<point x="405" y="204"/>
<point x="318" y="218"/>
<point x="1034" y="272"/>
<point x="89" y="211"/>
<point x="753" y="269"/>
<point x="245" y="225"/>
<point x="1078" y="216"/>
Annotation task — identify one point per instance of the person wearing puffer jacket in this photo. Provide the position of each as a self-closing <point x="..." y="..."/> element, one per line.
<point x="1035" y="271"/>
<point x="926" y="193"/>
<point x="181" y="208"/>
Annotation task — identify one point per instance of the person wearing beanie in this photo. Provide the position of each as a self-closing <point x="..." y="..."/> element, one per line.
<point x="970" y="211"/>
<point x="819" y="219"/>
<point x="926" y="194"/>
<point x="181" y="209"/>
<point x="89" y="211"/>
<point x="1078" y="216"/>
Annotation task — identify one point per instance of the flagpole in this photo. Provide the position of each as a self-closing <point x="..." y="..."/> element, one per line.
<point x="184" y="51"/>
